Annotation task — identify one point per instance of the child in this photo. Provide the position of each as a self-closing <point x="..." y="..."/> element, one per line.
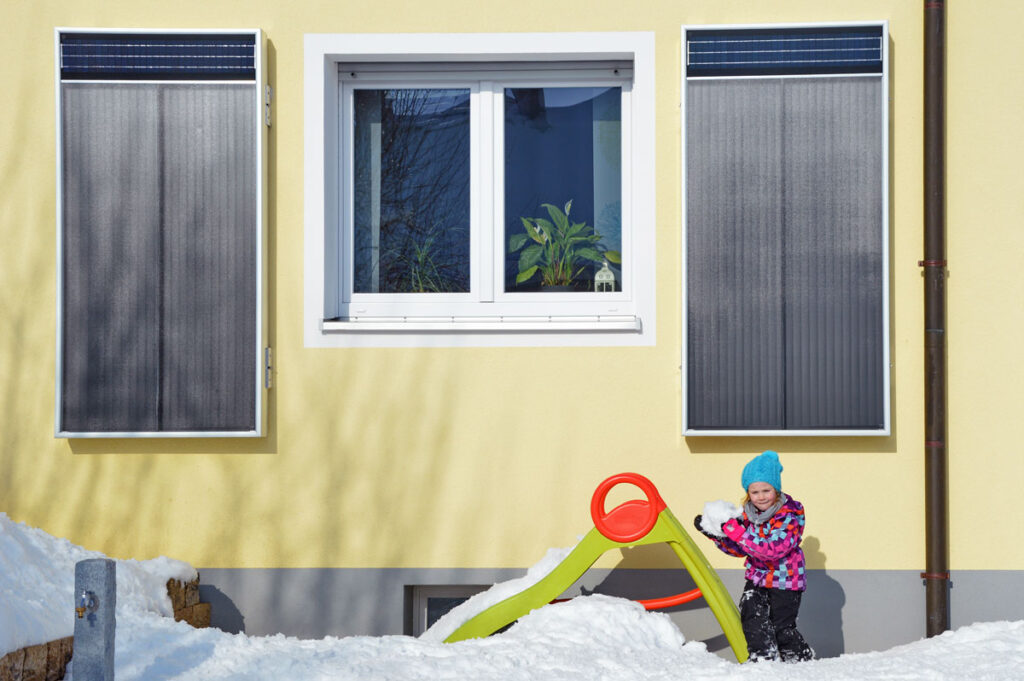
<point x="768" y="535"/>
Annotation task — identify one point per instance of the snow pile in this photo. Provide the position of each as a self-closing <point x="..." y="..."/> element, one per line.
<point x="590" y="638"/>
<point x="716" y="513"/>
<point x="587" y="639"/>
<point x="596" y="637"/>
<point x="465" y="611"/>
<point x="37" y="584"/>
<point x="990" y="650"/>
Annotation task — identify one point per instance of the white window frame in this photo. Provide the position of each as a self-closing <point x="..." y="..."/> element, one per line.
<point x="521" y="319"/>
<point x="884" y="123"/>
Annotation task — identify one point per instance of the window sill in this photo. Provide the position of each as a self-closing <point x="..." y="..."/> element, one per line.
<point x="824" y="432"/>
<point x="157" y="434"/>
<point x="605" y="323"/>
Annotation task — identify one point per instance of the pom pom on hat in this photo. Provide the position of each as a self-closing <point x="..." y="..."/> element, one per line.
<point x="765" y="467"/>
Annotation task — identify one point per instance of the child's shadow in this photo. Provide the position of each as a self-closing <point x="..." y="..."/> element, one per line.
<point x="821" y="609"/>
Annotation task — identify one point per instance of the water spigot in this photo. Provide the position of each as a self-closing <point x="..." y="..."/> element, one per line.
<point x="87" y="602"/>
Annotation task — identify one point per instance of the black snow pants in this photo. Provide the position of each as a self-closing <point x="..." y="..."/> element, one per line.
<point x="769" y="624"/>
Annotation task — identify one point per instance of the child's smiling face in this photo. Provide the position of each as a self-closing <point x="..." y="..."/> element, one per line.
<point x="762" y="495"/>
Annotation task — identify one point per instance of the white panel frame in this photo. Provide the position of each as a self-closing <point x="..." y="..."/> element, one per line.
<point x="261" y="377"/>
<point x="886" y="430"/>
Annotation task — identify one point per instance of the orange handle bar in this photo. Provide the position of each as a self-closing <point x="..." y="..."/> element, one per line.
<point x="658" y="603"/>
<point x="669" y="601"/>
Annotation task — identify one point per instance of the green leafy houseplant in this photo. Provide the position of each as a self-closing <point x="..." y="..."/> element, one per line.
<point x="558" y="249"/>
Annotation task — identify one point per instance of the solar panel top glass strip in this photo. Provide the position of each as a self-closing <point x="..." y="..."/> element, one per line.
<point x="793" y="51"/>
<point x="148" y="56"/>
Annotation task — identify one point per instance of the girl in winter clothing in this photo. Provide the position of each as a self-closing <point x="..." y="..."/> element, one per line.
<point x="768" y="535"/>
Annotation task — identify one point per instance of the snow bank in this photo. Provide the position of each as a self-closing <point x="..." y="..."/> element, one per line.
<point x="591" y="638"/>
<point x="716" y="513"/>
<point x="594" y="638"/>
<point x="37" y="584"/>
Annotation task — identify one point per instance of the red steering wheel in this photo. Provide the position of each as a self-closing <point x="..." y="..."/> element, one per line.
<point x="631" y="520"/>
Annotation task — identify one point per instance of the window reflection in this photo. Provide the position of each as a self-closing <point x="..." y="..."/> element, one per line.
<point x="563" y="150"/>
<point x="411" y="191"/>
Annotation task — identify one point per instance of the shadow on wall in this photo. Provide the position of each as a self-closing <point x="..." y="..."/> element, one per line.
<point x="358" y="465"/>
<point x="224" y="614"/>
<point x="821" y="611"/>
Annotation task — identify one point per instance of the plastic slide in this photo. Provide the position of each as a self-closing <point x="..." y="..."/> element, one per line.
<point x="633" y="523"/>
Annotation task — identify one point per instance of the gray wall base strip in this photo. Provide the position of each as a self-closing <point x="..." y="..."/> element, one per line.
<point x="843" y="611"/>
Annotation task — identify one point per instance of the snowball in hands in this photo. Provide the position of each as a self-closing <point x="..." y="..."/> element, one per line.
<point x="716" y="513"/>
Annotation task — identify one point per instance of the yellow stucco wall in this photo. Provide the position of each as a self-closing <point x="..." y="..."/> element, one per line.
<point x="470" y="457"/>
<point x="985" y="206"/>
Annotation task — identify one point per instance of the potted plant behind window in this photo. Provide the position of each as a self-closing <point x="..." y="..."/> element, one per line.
<point x="560" y="250"/>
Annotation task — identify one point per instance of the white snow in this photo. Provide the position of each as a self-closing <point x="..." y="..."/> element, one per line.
<point x="590" y="639"/>
<point x="37" y="583"/>
<point x="716" y="513"/>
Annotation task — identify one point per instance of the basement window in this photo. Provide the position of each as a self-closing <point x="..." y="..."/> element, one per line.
<point x="431" y="603"/>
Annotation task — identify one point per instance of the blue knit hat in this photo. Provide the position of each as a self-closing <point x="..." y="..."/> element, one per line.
<point x="764" y="467"/>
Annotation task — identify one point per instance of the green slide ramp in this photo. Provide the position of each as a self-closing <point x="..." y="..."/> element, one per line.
<point x="634" y="523"/>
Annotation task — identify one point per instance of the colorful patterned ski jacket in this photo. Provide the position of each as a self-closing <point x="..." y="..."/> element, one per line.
<point x="772" y="549"/>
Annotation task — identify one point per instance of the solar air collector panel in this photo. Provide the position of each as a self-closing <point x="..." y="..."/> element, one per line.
<point x="160" y="232"/>
<point x="784" y="51"/>
<point x="156" y="56"/>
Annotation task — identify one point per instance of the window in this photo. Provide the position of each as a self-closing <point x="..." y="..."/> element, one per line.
<point x="160" y="139"/>
<point x="431" y="603"/>
<point x="786" y="230"/>
<point x="469" y="191"/>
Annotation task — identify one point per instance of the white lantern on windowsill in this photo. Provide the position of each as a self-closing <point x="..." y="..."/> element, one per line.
<point x="604" y="280"/>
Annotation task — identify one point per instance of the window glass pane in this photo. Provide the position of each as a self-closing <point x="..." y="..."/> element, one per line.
<point x="411" y="191"/>
<point x="438" y="607"/>
<point x="563" y="188"/>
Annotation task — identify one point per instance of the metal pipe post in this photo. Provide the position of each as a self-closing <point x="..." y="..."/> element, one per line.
<point x="936" y="574"/>
<point x="95" y="598"/>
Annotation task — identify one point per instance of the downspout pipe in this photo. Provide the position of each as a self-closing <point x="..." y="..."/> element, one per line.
<point x="936" y="574"/>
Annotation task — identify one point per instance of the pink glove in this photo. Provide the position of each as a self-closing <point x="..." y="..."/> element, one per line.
<point x="732" y="529"/>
